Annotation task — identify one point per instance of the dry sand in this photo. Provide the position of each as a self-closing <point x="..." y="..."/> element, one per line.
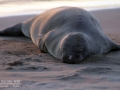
<point x="21" y="60"/>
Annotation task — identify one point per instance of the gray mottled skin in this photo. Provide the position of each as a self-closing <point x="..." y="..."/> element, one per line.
<point x="68" y="33"/>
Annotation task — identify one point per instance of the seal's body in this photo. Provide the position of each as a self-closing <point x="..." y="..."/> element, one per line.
<point x="68" y="33"/>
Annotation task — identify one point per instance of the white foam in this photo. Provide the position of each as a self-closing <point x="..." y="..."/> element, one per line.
<point x="41" y="11"/>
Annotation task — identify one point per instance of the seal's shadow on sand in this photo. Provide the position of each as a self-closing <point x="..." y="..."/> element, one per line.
<point x="109" y="58"/>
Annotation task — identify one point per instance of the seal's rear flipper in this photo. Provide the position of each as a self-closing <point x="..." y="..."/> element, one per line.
<point x="15" y="30"/>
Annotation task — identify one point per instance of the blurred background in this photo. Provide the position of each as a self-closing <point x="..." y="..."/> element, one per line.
<point x="20" y="7"/>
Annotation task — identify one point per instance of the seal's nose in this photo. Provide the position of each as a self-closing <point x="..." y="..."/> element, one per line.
<point x="72" y="59"/>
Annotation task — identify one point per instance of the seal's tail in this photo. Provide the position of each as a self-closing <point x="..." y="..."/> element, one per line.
<point x="15" y="30"/>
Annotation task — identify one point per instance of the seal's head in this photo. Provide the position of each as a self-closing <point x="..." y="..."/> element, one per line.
<point x="74" y="48"/>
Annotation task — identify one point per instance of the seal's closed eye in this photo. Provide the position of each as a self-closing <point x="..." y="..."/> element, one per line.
<point x="79" y="49"/>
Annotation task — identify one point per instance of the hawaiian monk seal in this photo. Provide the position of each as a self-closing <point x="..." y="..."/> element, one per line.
<point x="68" y="33"/>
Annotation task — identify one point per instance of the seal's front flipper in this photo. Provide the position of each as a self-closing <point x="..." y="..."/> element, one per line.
<point x="41" y="44"/>
<point x="15" y="30"/>
<point x="116" y="47"/>
<point x="44" y="41"/>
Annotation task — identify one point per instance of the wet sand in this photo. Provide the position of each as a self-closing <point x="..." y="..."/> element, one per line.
<point x="21" y="60"/>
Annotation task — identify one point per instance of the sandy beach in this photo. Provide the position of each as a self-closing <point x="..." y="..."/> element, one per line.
<point x="21" y="60"/>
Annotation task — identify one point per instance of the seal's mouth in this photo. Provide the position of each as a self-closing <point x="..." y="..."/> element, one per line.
<point x="72" y="59"/>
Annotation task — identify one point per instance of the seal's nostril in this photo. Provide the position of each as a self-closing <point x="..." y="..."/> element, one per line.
<point x="70" y="57"/>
